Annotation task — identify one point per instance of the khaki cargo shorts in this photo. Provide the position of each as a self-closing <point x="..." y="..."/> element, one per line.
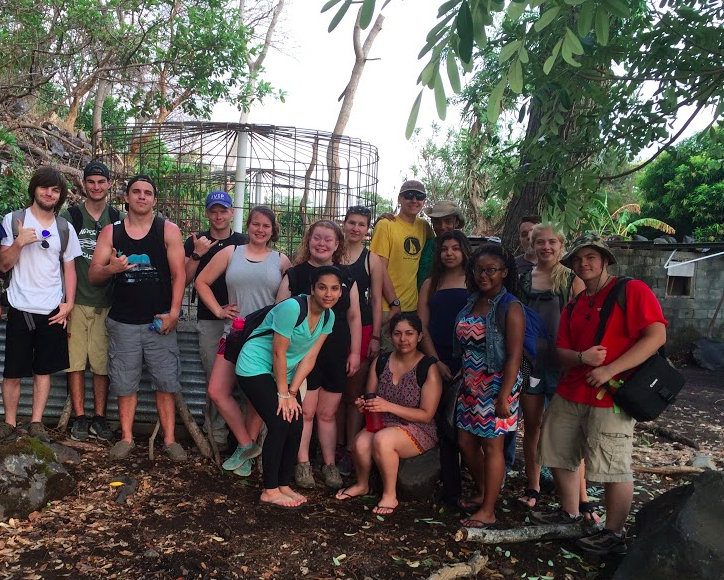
<point x="88" y="339"/>
<point x="574" y="431"/>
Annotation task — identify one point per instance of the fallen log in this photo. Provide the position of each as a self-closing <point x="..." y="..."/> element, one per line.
<point x="668" y="434"/>
<point x="668" y="469"/>
<point x="467" y="569"/>
<point x="527" y="533"/>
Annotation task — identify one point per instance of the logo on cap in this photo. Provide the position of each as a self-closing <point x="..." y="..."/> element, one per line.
<point x="218" y="198"/>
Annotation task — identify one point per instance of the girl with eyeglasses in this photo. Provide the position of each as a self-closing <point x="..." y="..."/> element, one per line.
<point x="489" y="334"/>
<point x="323" y="245"/>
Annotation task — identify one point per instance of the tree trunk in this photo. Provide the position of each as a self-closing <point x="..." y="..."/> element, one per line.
<point x="102" y="92"/>
<point x="469" y="569"/>
<point x="361" y="52"/>
<point x="526" y="202"/>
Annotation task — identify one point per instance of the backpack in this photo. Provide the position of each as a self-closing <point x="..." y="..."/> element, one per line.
<point x="76" y="217"/>
<point x="535" y="328"/>
<point x="235" y="341"/>
<point x="63" y="234"/>
<point x="526" y="289"/>
<point x="422" y="367"/>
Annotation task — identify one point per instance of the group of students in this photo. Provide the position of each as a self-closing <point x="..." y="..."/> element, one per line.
<point x="419" y="319"/>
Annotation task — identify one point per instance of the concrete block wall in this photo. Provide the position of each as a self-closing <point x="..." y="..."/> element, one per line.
<point x="689" y="316"/>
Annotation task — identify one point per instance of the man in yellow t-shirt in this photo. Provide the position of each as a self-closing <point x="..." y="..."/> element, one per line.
<point x="399" y="244"/>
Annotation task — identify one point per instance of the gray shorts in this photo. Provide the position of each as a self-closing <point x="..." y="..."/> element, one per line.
<point x="129" y="346"/>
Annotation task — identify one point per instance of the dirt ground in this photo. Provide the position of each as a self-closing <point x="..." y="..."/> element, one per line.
<point x="194" y="522"/>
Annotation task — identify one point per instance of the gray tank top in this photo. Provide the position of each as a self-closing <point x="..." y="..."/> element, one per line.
<point x="252" y="285"/>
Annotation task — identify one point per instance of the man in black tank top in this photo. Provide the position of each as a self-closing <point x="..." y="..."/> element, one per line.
<point x="145" y="257"/>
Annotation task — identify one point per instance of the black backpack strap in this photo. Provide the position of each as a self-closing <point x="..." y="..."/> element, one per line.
<point x="76" y="218"/>
<point x="303" y="309"/>
<point x="572" y="304"/>
<point x="422" y="369"/>
<point x="613" y="297"/>
<point x="381" y="362"/>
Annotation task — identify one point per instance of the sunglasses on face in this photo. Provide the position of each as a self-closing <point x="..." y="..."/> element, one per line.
<point x="410" y="195"/>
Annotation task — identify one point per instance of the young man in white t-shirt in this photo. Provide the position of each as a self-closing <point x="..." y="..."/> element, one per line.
<point x="41" y="295"/>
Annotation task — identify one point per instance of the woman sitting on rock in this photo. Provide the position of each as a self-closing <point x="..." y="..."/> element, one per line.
<point x="407" y="407"/>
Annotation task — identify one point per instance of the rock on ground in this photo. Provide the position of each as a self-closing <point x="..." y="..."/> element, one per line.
<point x="680" y="534"/>
<point x="30" y="477"/>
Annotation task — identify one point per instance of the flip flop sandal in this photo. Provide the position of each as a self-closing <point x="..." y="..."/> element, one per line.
<point x="383" y="507"/>
<point x="531" y="494"/>
<point x="478" y="524"/>
<point x="586" y="507"/>
<point x="342" y="495"/>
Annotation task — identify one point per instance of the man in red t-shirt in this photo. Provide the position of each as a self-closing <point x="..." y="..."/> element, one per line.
<point x="581" y="421"/>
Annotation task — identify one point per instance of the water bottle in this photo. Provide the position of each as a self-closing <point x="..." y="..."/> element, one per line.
<point x="157" y="323"/>
<point x="232" y="348"/>
<point x="373" y="419"/>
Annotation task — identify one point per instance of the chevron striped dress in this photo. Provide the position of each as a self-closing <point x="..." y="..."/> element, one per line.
<point x="479" y="389"/>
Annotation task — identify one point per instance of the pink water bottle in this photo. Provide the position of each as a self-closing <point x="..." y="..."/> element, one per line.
<point x="237" y="325"/>
<point x="373" y="419"/>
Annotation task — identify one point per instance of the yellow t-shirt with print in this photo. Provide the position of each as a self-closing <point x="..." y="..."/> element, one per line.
<point x="401" y="243"/>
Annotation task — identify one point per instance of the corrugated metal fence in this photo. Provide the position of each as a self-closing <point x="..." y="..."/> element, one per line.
<point x="193" y="381"/>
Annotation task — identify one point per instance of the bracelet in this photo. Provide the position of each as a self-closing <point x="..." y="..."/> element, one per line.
<point x="580" y="357"/>
<point x="373" y="337"/>
<point x="287" y="396"/>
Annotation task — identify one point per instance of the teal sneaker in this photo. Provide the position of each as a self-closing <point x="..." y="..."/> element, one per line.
<point x="240" y="455"/>
<point x="244" y="470"/>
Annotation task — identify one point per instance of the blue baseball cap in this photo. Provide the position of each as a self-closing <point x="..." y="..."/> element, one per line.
<point x="219" y="198"/>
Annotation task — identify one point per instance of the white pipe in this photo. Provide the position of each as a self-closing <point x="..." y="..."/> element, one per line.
<point x="242" y="146"/>
<point x="668" y="264"/>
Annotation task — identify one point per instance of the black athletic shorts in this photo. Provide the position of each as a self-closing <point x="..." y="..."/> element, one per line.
<point x="330" y="373"/>
<point x="34" y="347"/>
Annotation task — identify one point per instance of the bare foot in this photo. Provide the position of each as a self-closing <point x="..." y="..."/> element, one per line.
<point x="275" y="496"/>
<point x="472" y="503"/>
<point x="289" y="492"/>
<point x="355" y="490"/>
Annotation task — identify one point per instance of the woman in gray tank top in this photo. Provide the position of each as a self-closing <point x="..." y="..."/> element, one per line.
<point x="253" y="274"/>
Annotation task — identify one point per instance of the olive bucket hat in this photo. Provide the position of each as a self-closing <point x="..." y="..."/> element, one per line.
<point x="588" y="240"/>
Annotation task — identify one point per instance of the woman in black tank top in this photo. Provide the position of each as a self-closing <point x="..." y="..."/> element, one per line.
<point x="323" y="245"/>
<point x="367" y="270"/>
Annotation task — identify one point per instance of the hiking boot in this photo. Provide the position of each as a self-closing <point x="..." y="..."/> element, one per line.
<point x="121" y="450"/>
<point x="100" y="430"/>
<point x="175" y="452"/>
<point x="303" y="475"/>
<point x="244" y="470"/>
<point x="556" y="517"/>
<point x="332" y="477"/>
<point x="241" y="454"/>
<point x="344" y="462"/>
<point x="38" y="431"/>
<point x="8" y="432"/>
<point x="603" y="543"/>
<point x="79" y="430"/>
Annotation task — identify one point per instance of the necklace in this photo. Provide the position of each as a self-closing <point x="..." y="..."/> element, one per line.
<point x="592" y="297"/>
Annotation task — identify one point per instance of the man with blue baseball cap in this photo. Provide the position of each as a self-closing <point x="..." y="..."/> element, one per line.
<point x="200" y="249"/>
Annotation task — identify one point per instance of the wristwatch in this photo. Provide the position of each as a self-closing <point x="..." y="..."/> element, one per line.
<point x="195" y="257"/>
<point x="395" y="302"/>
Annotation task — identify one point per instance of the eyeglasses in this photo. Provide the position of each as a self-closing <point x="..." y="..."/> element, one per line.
<point x="490" y="272"/>
<point x="410" y="195"/>
<point x="99" y="226"/>
<point x="45" y="244"/>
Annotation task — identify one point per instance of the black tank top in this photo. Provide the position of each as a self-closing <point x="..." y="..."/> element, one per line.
<point x="144" y="291"/>
<point x="358" y="272"/>
<point x="300" y="282"/>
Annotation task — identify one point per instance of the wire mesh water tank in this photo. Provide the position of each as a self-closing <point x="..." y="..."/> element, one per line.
<point x="302" y="174"/>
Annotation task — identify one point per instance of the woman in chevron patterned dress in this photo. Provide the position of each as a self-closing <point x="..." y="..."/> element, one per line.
<point x="489" y="332"/>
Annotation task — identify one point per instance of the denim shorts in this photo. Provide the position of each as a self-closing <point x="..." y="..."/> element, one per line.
<point x="547" y="383"/>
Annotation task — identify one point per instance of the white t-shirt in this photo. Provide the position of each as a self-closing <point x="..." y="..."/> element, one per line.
<point x="36" y="285"/>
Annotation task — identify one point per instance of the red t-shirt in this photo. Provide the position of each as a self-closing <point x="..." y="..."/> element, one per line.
<point x="623" y="329"/>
